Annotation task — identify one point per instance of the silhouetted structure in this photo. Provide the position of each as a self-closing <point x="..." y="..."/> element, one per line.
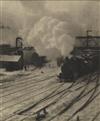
<point x="37" y="60"/>
<point x="11" y="58"/>
<point x="11" y="62"/>
<point x="85" y="58"/>
<point x="27" y="56"/>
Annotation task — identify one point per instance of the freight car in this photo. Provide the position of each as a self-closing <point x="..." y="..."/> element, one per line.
<point x="84" y="59"/>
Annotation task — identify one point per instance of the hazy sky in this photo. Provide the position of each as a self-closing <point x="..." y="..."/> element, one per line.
<point x="41" y="22"/>
<point x="25" y="11"/>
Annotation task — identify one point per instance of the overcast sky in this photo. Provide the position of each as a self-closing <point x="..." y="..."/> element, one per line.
<point x="35" y="9"/>
<point x="27" y="10"/>
<point x="24" y="18"/>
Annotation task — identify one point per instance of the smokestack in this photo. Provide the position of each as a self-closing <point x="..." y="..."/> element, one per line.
<point x="19" y="43"/>
<point x="19" y="46"/>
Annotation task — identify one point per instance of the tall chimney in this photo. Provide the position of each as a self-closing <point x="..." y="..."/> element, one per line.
<point x="19" y="43"/>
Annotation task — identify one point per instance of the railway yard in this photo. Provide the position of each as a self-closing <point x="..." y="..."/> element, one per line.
<point x="37" y="95"/>
<point x="50" y="60"/>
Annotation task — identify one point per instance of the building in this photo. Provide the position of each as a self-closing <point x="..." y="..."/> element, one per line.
<point x="11" y="62"/>
<point x="15" y="58"/>
<point x="11" y="58"/>
<point x="27" y="55"/>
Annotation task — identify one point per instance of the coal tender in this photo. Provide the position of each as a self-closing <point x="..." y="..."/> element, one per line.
<point x="85" y="58"/>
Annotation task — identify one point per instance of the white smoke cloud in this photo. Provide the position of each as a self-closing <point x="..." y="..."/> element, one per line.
<point x="52" y="33"/>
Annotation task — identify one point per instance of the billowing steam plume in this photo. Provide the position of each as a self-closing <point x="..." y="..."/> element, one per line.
<point x="49" y="33"/>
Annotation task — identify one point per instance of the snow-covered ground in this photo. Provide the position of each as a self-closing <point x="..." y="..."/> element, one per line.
<point x="37" y="88"/>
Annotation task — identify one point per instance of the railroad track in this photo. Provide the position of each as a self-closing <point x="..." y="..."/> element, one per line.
<point x="26" y="81"/>
<point x="93" y="95"/>
<point x="23" y="80"/>
<point x="29" y="100"/>
<point x="17" y="79"/>
<point x="53" y="87"/>
<point x="29" y="92"/>
<point x="32" y="90"/>
<point x="34" y="84"/>
<point x="57" y="94"/>
<point x="63" y="92"/>
<point x="32" y="95"/>
<point x="75" y="100"/>
<point x="96" y="116"/>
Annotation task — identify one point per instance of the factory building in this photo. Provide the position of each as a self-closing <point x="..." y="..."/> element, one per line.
<point x="11" y="58"/>
<point x="18" y="57"/>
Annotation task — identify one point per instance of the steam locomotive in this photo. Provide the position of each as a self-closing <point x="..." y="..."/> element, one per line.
<point x="84" y="59"/>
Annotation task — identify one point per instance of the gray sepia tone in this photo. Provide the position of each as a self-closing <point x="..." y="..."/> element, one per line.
<point x="49" y="60"/>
